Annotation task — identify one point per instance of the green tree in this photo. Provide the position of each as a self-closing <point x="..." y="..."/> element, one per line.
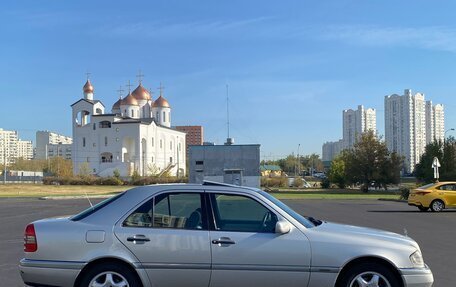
<point x="369" y="162"/>
<point x="337" y="171"/>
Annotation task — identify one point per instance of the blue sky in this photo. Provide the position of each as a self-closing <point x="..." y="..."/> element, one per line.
<point x="291" y="66"/>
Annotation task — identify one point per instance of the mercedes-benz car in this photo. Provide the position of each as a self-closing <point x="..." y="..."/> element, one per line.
<point x="212" y="235"/>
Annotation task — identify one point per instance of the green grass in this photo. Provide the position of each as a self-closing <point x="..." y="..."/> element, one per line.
<point x="36" y="190"/>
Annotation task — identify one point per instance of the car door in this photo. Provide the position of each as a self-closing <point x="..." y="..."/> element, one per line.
<point x="169" y="236"/>
<point x="450" y="196"/>
<point x="246" y="251"/>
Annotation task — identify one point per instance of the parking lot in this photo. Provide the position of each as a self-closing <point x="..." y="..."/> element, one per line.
<point x="435" y="232"/>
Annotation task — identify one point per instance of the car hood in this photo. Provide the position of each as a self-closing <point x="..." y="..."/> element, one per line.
<point x="364" y="234"/>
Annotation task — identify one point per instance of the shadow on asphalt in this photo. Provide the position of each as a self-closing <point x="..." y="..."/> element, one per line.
<point x="412" y="211"/>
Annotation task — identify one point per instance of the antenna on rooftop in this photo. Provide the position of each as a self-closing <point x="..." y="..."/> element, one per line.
<point x="229" y="141"/>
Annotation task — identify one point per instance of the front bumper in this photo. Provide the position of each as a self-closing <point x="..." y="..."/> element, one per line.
<point x="49" y="273"/>
<point x="417" y="277"/>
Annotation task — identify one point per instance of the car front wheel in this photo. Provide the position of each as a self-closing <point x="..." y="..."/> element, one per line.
<point x="437" y="205"/>
<point x="369" y="275"/>
<point x="109" y="275"/>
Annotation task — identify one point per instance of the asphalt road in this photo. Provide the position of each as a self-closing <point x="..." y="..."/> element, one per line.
<point x="435" y="232"/>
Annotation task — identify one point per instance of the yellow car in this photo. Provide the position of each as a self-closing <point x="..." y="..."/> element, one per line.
<point x="436" y="196"/>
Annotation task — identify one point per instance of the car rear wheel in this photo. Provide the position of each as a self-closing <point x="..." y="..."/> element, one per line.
<point x="109" y="275"/>
<point x="369" y="275"/>
<point x="437" y="205"/>
<point x="422" y="208"/>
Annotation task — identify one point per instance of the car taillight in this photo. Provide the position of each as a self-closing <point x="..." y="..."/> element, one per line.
<point x="422" y="192"/>
<point x="30" y="244"/>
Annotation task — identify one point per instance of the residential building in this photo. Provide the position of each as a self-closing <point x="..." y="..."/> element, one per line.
<point x="194" y="135"/>
<point x="411" y="123"/>
<point x="354" y="123"/>
<point x="331" y="150"/>
<point x="435" y="122"/>
<point x="233" y="164"/>
<point x="136" y="136"/>
<point x="12" y="148"/>
<point x="270" y="170"/>
<point x="49" y="144"/>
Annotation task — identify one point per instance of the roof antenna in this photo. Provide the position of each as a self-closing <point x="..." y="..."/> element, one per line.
<point x="229" y="141"/>
<point x="87" y="196"/>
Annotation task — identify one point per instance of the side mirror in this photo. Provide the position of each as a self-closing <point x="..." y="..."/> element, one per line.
<point x="282" y="227"/>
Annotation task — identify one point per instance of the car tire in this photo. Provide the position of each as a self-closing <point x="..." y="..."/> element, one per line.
<point x="437" y="205"/>
<point x="422" y="208"/>
<point x="369" y="274"/>
<point x="109" y="274"/>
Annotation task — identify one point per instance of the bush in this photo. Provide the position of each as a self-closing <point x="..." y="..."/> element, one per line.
<point x="274" y="181"/>
<point x="325" y="183"/>
<point x="298" y="182"/>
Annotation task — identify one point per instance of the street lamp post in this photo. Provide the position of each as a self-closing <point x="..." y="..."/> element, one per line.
<point x="299" y="161"/>
<point x="444" y="135"/>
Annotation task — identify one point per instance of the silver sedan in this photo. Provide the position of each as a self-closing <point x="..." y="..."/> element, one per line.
<point x="212" y="235"/>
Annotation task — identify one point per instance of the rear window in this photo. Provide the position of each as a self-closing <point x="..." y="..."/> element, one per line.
<point x="427" y="186"/>
<point x="96" y="207"/>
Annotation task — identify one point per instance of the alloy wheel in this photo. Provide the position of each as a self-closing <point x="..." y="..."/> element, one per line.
<point x="369" y="279"/>
<point x="437" y="206"/>
<point x="109" y="279"/>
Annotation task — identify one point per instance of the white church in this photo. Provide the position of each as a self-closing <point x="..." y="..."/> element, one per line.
<point x="136" y="135"/>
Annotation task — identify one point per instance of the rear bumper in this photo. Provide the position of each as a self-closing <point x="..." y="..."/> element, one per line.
<point x="417" y="277"/>
<point x="49" y="273"/>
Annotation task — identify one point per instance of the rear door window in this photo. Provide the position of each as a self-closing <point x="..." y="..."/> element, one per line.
<point x="170" y="210"/>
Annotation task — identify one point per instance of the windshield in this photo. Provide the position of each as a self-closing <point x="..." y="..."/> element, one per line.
<point x="95" y="208"/>
<point x="301" y="219"/>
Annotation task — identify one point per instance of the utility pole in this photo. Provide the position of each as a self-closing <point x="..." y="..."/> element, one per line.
<point x="299" y="161"/>
<point x="4" y="159"/>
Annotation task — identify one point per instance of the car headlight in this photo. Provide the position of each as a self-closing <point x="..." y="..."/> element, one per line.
<point x="417" y="259"/>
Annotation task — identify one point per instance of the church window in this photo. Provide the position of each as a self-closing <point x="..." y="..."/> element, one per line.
<point x="164" y="117"/>
<point x="106" y="141"/>
<point x="158" y="116"/>
<point x="152" y="159"/>
<point x="83" y="142"/>
<point x="94" y="126"/>
<point x="161" y="144"/>
<point x="152" y="142"/>
<point x="132" y="113"/>
<point x="170" y="145"/>
<point x="105" y="124"/>
<point x="170" y="159"/>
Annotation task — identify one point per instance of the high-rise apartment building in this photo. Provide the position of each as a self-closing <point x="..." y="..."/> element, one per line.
<point x="49" y="144"/>
<point x="12" y="148"/>
<point x="356" y="122"/>
<point x="411" y="123"/>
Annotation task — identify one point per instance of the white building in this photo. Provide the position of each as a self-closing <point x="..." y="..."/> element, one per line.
<point x="354" y="123"/>
<point x="411" y="123"/>
<point x="49" y="144"/>
<point x="357" y="122"/>
<point x="435" y="122"/>
<point x="135" y="136"/>
<point x="331" y="150"/>
<point x="12" y="148"/>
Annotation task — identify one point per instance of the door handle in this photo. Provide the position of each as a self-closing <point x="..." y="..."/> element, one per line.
<point x="223" y="240"/>
<point x="138" y="239"/>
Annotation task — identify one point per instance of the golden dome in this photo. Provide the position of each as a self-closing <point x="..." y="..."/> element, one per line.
<point x="129" y="101"/>
<point x="140" y="93"/>
<point x="161" y="102"/>
<point x="88" y="88"/>
<point x="117" y="104"/>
